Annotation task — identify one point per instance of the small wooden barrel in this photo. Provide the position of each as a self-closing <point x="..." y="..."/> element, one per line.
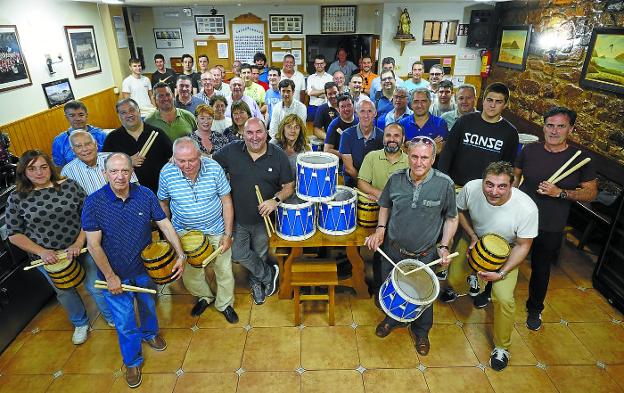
<point x="367" y="213"/>
<point x="196" y="247"/>
<point x="489" y="254"/>
<point x="158" y="259"/>
<point x="66" y="274"/>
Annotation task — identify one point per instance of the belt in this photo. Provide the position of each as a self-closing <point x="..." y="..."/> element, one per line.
<point x="412" y="254"/>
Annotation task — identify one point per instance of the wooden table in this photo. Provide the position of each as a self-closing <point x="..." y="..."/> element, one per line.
<point x="351" y="242"/>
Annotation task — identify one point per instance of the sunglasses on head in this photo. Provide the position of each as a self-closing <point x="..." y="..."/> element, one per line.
<point x="424" y="140"/>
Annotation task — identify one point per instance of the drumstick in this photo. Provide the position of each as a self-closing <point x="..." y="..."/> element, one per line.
<point x="40" y="262"/>
<point x="363" y="194"/>
<point x="453" y="255"/>
<point x="130" y="288"/>
<point x="383" y="254"/>
<point x="212" y="256"/>
<point x="563" y="167"/>
<point x="267" y="221"/>
<point x="149" y="146"/>
<point x="569" y="171"/>
<point x="149" y="138"/>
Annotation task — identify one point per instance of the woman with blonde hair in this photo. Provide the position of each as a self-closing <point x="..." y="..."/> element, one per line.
<point x="209" y="141"/>
<point x="291" y="138"/>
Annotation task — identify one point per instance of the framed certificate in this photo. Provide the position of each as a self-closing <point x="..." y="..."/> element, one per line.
<point x="338" y="19"/>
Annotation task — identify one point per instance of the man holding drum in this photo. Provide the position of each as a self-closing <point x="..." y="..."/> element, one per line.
<point x="416" y="205"/>
<point x="195" y="193"/>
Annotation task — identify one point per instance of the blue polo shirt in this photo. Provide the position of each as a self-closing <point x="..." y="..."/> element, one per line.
<point x="353" y="142"/>
<point x="384" y="106"/>
<point x="271" y="97"/>
<point x="391" y="118"/>
<point x="195" y="205"/>
<point x="62" y="152"/>
<point x="264" y="75"/>
<point x="125" y="226"/>
<point x="434" y="127"/>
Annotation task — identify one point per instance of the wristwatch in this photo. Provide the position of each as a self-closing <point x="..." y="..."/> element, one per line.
<point x="443" y="246"/>
<point x="231" y="236"/>
<point x="276" y="199"/>
<point x="502" y="275"/>
<point x="563" y="195"/>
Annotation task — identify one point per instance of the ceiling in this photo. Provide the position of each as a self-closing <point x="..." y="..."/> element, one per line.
<point x="190" y="3"/>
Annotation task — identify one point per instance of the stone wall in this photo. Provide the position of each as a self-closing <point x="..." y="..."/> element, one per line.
<point x="546" y="83"/>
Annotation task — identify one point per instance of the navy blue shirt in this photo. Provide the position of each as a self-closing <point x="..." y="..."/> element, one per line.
<point x="384" y="106"/>
<point x="434" y="127"/>
<point x="125" y="226"/>
<point x="353" y="142"/>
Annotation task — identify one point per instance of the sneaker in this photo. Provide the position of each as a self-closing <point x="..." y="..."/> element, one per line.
<point x="257" y="294"/>
<point x="448" y="295"/>
<point x="133" y="377"/>
<point x="481" y="300"/>
<point x="272" y="287"/>
<point x="157" y="343"/>
<point x="473" y="282"/>
<point x="442" y="275"/>
<point x="534" y="320"/>
<point x="80" y="334"/>
<point x="499" y="359"/>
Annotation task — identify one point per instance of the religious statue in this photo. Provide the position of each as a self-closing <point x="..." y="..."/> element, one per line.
<point x="403" y="30"/>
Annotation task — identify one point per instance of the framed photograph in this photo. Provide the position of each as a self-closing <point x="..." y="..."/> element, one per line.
<point x="83" y="50"/>
<point x="603" y="68"/>
<point x="513" y="47"/>
<point x="168" y="38"/>
<point x="210" y="24"/>
<point x="286" y="24"/>
<point x="58" y="92"/>
<point x="338" y="19"/>
<point x="13" y="69"/>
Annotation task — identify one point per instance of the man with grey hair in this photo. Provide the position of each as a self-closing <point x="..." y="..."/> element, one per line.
<point x="220" y="87"/>
<point x="237" y="86"/>
<point x="195" y="194"/>
<point x="339" y="79"/>
<point x="185" y="99"/>
<point x="436" y="74"/>
<point x="399" y="110"/>
<point x="422" y="123"/>
<point x="465" y="97"/>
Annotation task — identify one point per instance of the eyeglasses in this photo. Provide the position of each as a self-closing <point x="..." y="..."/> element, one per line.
<point x="435" y="73"/>
<point x="388" y="78"/>
<point x="423" y="140"/>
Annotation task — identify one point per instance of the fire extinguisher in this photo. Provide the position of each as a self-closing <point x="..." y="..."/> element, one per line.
<point x="486" y="62"/>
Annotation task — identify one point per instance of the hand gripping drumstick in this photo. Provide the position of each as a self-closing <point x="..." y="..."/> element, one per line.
<point x="362" y="194"/>
<point x="563" y="167"/>
<point x="40" y="262"/>
<point x="569" y="171"/>
<point x="453" y="255"/>
<point x="128" y="288"/>
<point x="212" y="256"/>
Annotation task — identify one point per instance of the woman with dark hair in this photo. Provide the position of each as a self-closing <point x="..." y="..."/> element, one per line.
<point x="220" y="122"/>
<point x="240" y="114"/>
<point x="291" y="138"/>
<point x="209" y="142"/>
<point x="43" y="217"/>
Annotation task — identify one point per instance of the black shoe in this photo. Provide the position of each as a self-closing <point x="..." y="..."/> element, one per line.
<point x="499" y="359"/>
<point x="534" y="320"/>
<point x="481" y="300"/>
<point x="257" y="293"/>
<point x="230" y="314"/>
<point x="448" y="295"/>
<point x="442" y="275"/>
<point x="199" y="307"/>
<point x="272" y="287"/>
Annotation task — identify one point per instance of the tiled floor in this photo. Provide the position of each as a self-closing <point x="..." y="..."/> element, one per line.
<point x="579" y="349"/>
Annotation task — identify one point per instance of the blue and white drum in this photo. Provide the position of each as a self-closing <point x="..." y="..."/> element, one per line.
<point x="317" y="176"/>
<point x="338" y="216"/>
<point x="405" y="297"/>
<point x="295" y="219"/>
<point x="317" y="144"/>
<point x="525" y="139"/>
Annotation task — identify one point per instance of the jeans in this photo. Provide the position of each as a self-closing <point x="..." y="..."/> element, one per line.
<point x="545" y="251"/>
<point x="250" y="248"/>
<point x="129" y="334"/>
<point x="70" y="298"/>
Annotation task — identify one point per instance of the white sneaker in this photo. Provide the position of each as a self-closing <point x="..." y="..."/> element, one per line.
<point x="473" y="282"/>
<point x="80" y="334"/>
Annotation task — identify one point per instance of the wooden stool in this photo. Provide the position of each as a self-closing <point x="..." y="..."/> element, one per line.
<point x="312" y="273"/>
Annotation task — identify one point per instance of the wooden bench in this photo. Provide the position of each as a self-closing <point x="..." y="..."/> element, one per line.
<point x="314" y="273"/>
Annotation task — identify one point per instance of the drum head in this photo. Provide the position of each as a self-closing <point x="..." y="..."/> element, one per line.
<point x="421" y="287"/>
<point x="294" y="201"/>
<point x="155" y="250"/>
<point x="343" y="194"/>
<point x="57" y="267"/>
<point x="317" y="159"/>
<point x="192" y="240"/>
<point x="496" y="245"/>
<point x="527" y="138"/>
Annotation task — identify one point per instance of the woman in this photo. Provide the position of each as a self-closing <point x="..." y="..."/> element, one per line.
<point x="209" y="142"/>
<point x="240" y="114"/>
<point x="291" y="138"/>
<point x="43" y="217"/>
<point x="220" y="122"/>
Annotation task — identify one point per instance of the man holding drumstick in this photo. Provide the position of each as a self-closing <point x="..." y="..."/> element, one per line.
<point x="536" y="163"/>
<point x="117" y="220"/>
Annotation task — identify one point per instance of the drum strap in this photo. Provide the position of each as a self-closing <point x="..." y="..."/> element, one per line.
<point x="411" y="254"/>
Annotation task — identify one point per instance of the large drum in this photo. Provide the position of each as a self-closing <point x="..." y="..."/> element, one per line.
<point x="295" y="219"/>
<point x="317" y="176"/>
<point x="65" y="274"/>
<point x="159" y="259"/>
<point x="196" y="247"/>
<point x="367" y="213"/>
<point x="338" y="216"/>
<point x="405" y="297"/>
<point x="489" y="254"/>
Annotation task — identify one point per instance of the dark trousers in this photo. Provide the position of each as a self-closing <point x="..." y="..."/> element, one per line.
<point x="545" y="251"/>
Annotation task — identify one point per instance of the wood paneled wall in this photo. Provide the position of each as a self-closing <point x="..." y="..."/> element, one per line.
<point x="37" y="131"/>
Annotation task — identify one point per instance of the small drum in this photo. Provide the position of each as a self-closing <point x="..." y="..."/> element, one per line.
<point x="317" y="176"/>
<point x="158" y="259"/>
<point x="405" y="297"/>
<point x="367" y="213"/>
<point x="338" y="216"/>
<point x="525" y="139"/>
<point x="196" y="247"/>
<point x="65" y="274"/>
<point x="295" y="219"/>
<point x="489" y="254"/>
<point x="317" y="144"/>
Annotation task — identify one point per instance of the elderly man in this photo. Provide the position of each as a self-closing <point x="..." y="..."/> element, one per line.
<point x="163" y="74"/>
<point x="417" y="207"/>
<point x="130" y="139"/>
<point x="383" y="98"/>
<point x="194" y="192"/>
<point x="400" y="109"/>
<point x="272" y="96"/>
<point x="422" y="123"/>
<point x="316" y="85"/>
<point x="355" y="89"/>
<point x="443" y="101"/>
<point x="417" y="81"/>
<point x="220" y="87"/>
<point x="185" y="99"/>
<point x="76" y="115"/>
<point x="208" y="91"/>
<point x="138" y="87"/>
<point x="346" y="119"/>
<point x="342" y="64"/>
<point x="175" y="122"/>
<point x="252" y="89"/>
<point x="466" y="98"/>
<point x="287" y="106"/>
<point x="237" y="86"/>
<point x="290" y="72"/>
<point x="339" y="79"/>
<point x="436" y="74"/>
<point x="387" y="64"/>
<point x="117" y="220"/>
<point x="252" y="162"/>
<point x="326" y="112"/>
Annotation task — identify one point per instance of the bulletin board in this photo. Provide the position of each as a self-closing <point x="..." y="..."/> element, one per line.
<point x="278" y="47"/>
<point x="249" y="36"/>
<point x="217" y="50"/>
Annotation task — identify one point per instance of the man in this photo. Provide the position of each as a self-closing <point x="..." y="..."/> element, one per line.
<point x="355" y="89"/>
<point x="326" y="112"/>
<point x="335" y="129"/>
<point x="188" y="70"/>
<point x="132" y="136"/>
<point x="417" y="207"/>
<point x="287" y="106"/>
<point x="195" y="194"/>
<point x="383" y="98"/>
<point x="163" y="74"/>
<point x="367" y="74"/>
<point x="77" y="117"/>
<point x="400" y="109"/>
<point x="260" y="60"/>
<point x="272" y="95"/>
<point x="536" y="163"/>
<point x="248" y="163"/>
<point x="417" y="82"/>
<point x="492" y="205"/>
<point x="185" y="99"/>
<point x="138" y="87"/>
<point x="342" y="64"/>
<point x="290" y="72"/>
<point x="339" y="79"/>
<point x="220" y="87"/>
<point x="387" y="64"/>
<point x="466" y="98"/>
<point x="422" y="123"/>
<point x="236" y="68"/>
<point x="255" y="76"/>
<point x="359" y="140"/>
<point x="202" y="62"/>
<point x="436" y="74"/>
<point x="443" y="101"/>
<point x="207" y="91"/>
<point x="237" y="88"/>
<point x="316" y="85"/>
<point x="252" y="89"/>
<point x="173" y="121"/>
<point x="117" y="220"/>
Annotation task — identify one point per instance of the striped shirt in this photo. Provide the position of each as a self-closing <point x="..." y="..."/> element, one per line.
<point x="195" y="205"/>
<point x="90" y="178"/>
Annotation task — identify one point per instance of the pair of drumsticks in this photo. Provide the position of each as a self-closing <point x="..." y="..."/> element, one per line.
<point x="558" y="175"/>
<point x="99" y="284"/>
<point x="267" y="221"/>
<point x="383" y="254"/>
<point x="148" y="144"/>
<point x="40" y="262"/>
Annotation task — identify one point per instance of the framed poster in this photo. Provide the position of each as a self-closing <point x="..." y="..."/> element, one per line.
<point x="513" y="47"/>
<point x="338" y="19"/>
<point x="13" y="69"/>
<point x="210" y="24"/>
<point x="279" y="24"/>
<point x="168" y="38"/>
<point x="603" y="68"/>
<point x="58" y="92"/>
<point x="83" y="50"/>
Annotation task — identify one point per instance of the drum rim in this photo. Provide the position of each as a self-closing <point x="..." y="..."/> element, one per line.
<point x="352" y="199"/>
<point x="296" y="238"/>
<point x="528" y="138"/>
<point x="155" y="260"/>
<point x="427" y="269"/>
<point x="499" y="237"/>
<point x="295" y="206"/>
<point x="333" y="160"/>
<point x="45" y="267"/>
<point x="419" y="310"/>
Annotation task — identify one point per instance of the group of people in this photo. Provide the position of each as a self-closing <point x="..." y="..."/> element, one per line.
<point x="200" y="172"/>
